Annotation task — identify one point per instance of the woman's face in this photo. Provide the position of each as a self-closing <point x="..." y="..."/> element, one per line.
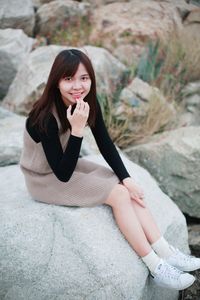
<point x="74" y="88"/>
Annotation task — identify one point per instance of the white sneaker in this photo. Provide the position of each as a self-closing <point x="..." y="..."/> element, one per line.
<point x="183" y="261"/>
<point x="169" y="277"/>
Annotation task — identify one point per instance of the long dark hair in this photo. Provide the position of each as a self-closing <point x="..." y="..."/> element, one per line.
<point x="65" y="64"/>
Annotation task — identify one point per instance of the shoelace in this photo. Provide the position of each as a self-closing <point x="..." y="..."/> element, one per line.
<point x="170" y="272"/>
<point x="185" y="257"/>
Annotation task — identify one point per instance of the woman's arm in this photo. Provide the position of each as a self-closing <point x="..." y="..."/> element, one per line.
<point x="111" y="155"/>
<point x="62" y="163"/>
<point x="106" y="146"/>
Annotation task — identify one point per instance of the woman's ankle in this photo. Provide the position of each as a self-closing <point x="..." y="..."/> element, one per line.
<point x="162" y="248"/>
<point x="151" y="260"/>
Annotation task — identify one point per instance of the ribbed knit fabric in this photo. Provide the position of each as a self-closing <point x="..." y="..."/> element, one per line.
<point x="162" y="248"/>
<point x="151" y="260"/>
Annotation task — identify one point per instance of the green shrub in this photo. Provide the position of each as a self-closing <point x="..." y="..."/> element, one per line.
<point x="171" y="64"/>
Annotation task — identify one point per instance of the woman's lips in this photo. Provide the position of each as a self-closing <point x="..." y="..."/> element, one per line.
<point x="77" y="95"/>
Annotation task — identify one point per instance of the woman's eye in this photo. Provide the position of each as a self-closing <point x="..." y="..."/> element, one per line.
<point x="85" y="78"/>
<point x="67" y="78"/>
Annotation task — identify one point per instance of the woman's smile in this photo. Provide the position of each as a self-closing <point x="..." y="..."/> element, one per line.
<point x="76" y="87"/>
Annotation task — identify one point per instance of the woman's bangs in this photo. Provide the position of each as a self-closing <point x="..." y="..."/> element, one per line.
<point x="71" y="68"/>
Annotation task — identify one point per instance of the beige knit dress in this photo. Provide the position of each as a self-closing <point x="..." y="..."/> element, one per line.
<point x="89" y="185"/>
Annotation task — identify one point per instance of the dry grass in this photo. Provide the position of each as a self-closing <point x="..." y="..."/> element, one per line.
<point x="74" y="34"/>
<point x="181" y="57"/>
<point x="126" y="130"/>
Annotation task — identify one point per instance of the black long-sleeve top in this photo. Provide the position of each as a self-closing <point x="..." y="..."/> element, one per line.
<point x="63" y="163"/>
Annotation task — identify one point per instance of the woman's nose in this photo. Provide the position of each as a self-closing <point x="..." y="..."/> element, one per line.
<point x="77" y="84"/>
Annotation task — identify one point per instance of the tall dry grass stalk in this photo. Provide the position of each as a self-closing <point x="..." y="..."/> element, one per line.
<point x="124" y="129"/>
<point x="181" y="64"/>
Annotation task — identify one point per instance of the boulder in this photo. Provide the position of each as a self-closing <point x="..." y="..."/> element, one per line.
<point x="60" y="14"/>
<point x="14" y="47"/>
<point x="56" y="252"/>
<point x="173" y="158"/>
<point x="29" y="82"/>
<point x="194" y="238"/>
<point x="149" y="109"/>
<point x="11" y="137"/>
<point x="193" y="16"/>
<point x="191" y="104"/>
<point x="96" y="3"/>
<point x="192" y="23"/>
<point x="133" y="23"/>
<point x="38" y="3"/>
<point x="184" y="7"/>
<point x="17" y="14"/>
<point x="191" y="89"/>
<point x="189" y="114"/>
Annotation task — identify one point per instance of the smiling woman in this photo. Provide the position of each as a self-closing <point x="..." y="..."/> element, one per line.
<point x="55" y="174"/>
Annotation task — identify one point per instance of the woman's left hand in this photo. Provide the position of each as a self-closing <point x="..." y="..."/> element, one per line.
<point x="135" y="191"/>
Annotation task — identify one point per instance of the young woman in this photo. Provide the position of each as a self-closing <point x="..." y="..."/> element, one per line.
<point x="55" y="174"/>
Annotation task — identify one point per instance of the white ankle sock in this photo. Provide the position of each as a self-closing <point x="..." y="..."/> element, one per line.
<point x="151" y="260"/>
<point x="162" y="248"/>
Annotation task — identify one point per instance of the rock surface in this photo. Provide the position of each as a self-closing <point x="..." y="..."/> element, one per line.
<point x="17" y="14"/>
<point x="140" y="95"/>
<point x="192" y="23"/>
<point x="145" y="109"/>
<point x="31" y="79"/>
<point x="133" y="23"/>
<point x="191" y="104"/>
<point x="59" y="252"/>
<point x="194" y="238"/>
<point x="11" y="137"/>
<point x="173" y="158"/>
<point x="60" y="14"/>
<point x="35" y="70"/>
<point x="10" y="61"/>
<point x="38" y="3"/>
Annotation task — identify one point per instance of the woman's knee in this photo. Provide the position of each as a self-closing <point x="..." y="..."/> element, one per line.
<point x="118" y="196"/>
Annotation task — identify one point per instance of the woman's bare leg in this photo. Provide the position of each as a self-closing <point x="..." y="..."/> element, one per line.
<point x="147" y="222"/>
<point x="127" y="220"/>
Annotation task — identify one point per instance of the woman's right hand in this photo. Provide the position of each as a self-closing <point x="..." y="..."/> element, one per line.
<point x="78" y="118"/>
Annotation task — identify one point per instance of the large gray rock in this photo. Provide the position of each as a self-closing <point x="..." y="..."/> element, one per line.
<point x="121" y="27"/>
<point x="145" y="99"/>
<point x="56" y="252"/>
<point x="192" y="23"/>
<point x="11" y="137"/>
<point x="191" y="104"/>
<point x="17" y="14"/>
<point x="38" y="3"/>
<point x="173" y="158"/>
<point x="194" y="238"/>
<point x="29" y="82"/>
<point x="14" y="47"/>
<point x="60" y="14"/>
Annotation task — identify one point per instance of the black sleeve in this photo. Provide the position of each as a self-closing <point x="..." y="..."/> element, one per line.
<point x="62" y="163"/>
<point x="106" y="146"/>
